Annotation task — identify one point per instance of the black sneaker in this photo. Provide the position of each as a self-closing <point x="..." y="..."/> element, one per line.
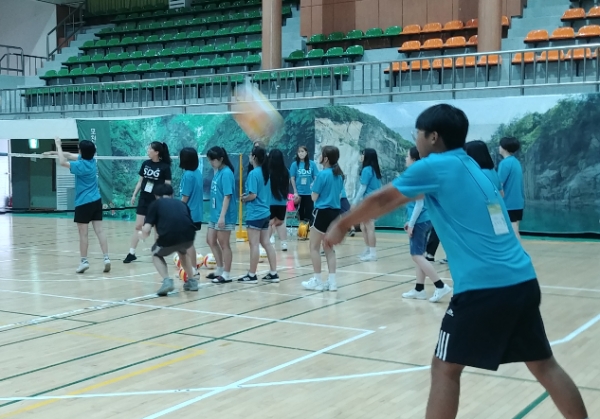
<point x="220" y="280"/>
<point x="129" y="258"/>
<point x="271" y="278"/>
<point x="212" y="276"/>
<point x="247" y="279"/>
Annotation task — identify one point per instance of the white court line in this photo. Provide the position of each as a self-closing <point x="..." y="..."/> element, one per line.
<point x="569" y="288"/>
<point x="238" y="383"/>
<point x="8" y="260"/>
<point x="240" y="316"/>
<point x="82" y="278"/>
<point x="577" y="332"/>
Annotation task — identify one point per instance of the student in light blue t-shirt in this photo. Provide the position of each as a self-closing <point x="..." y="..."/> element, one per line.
<point x="370" y="181"/>
<point x="279" y="186"/>
<point x="326" y="194"/>
<point x="478" y="151"/>
<point x="494" y="316"/>
<point x="88" y="204"/>
<point x="258" y="216"/>
<point x="510" y="173"/>
<point x="223" y="213"/>
<point x="418" y="226"/>
<point x="191" y="189"/>
<point x="303" y="172"/>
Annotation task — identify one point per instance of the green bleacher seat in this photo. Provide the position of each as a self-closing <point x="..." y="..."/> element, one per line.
<point x="315" y="53"/>
<point x="194" y="35"/>
<point x="203" y="63"/>
<point x="286" y="10"/>
<point x="105" y="31"/>
<point x="179" y="51"/>
<point x="102" y="70"/>
<point x="85" y="59"/>
<point x="252" y="60"/>
<point x="136" y="55"/>
<point x="207" y="49"/>
<point x="168" y="24"/>
<point x="97" y="58"/>
<point x="342" y="71"/>
<point x="209" y="33"/>
<point x="143" y="67"/>
<point x="237" y="16"/>
<point x="355" y="34"/>
<point x="72" y="60"/>
<point x="238" y="30"/>
<point x="336" y="36"/>
<point x="181" y="22"/>
<point x="153" y="39"/>
<point x="255" y="45"/>
<point x="158" y="67"/>
<point x="219" y="62"/>
<point x="114" y="42"/>
<point x="76" y="72"/>
<point x="223" y="32"/>
<point x="123" y="56"/>
<point x="166" y="37"/>
<point x="115" y="69"/>
<point x="154" y="26"/>
<point x="224" y="5"/>
<point x="240" y="46"/>
<point x="143" y="27"/>
<point x="334" y="52"/>
<point x="254" y="29"/>
<point x="295" y="56"/>
<point x="256" y="14"/>
<point x="89" y="71"/>
<point x="355" y="51"/>
<point x="63" y="72"/>
<point x="236" y="78"/>
<point x="393" y="31"/>
<point x="236" y="60"/>
<point x="193" y="50"/>
<point x="88" y="45"/>
<point x="125" y="41"/>
<point x="198" y="21"/>
<point x="139" y="40"/>
<point x="101" y="43"/>
<point x="188" y="65"/>
<point x="181" y="36"/>
<point x="223" y="48"/>
<point x="130" y="68"/>
<point x="112" y="56"/>
<point x="164" y="52"/>
<point x="151" y="53"/>
<point x="373" y="33"/>
<point x="318" y="38"/>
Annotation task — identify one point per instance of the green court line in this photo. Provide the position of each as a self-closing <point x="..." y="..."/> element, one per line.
<point x="531" y="406"/>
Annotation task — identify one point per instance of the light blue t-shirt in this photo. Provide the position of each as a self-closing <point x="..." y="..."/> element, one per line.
<point x="86" y="181"/>
<point x="273" y="200"/>
<point x="369" y="179"/>
<point x="304" y="177"/>
<point x="222" y="185"/>
<point x="329" y="187"/>
<point x="344" y="191"/>
<point x="259" y="208"/>
<point x="510" y="173"/>
<point x="192" y="187"/>
<point x="457" y="193"/>
<point x="423" y="216"/>
<point x="493" y="177"/>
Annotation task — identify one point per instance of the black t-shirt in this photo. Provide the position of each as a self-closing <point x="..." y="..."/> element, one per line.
<point x="154" y="173"/>
<point x="173" y="222"/>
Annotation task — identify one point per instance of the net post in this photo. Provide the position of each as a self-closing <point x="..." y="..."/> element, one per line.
<point x="241" y="235"/>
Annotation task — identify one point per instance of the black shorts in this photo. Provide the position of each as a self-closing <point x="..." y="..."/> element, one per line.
<point x="143" y="204"/>
<point x="486" y="328"/>
<point x="323" y="218"/>
<point x="198" y="226"/>
<point x="278" y="211"/>
<point x="515" y="215"/>
<point x="161" y="251"/>
<point x="86" y="213"/>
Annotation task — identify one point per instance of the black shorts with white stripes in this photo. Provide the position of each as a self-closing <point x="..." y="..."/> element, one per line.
<point x="486" y="328"/>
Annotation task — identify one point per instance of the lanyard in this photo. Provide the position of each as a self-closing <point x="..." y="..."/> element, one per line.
<point x="487" y="199"/>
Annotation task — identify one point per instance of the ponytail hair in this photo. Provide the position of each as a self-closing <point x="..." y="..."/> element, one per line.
<point x="218" y="153"/>
<point x="333" y="155"/>
<point x="260" y="155"/>
<point x="163" y="151"/>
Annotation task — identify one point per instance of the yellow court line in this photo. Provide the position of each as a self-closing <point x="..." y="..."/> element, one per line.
<point x="105" y="383"/>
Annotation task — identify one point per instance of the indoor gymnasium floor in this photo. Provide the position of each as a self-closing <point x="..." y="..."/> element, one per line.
<point x="104" y="346"/>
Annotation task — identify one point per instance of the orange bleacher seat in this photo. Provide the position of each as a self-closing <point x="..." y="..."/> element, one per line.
<point x="456" y="42"/>
<point x="438" y="63"/>
<point x="505" y="21"/>
<point x="573" y="14"/>
<point x="395" y="68"/>
<point x="562" y="33"/>
<point x="411" y="29"/>
<point x="589" y="31"/>
<point x="551" y="56"/>
<point x="472" y="41"/>
<point x="537" y="35"/>
<point x="433" y="27"/>
<point x="527" y="58"/>
<point x="410" y="46"/>
<point x="471" y="24"/>
<point x="416" y="65"/>
<point x="467" y="61"/>
<point x="594" y="12"/>
<point x="580" y="54"/>
<point x="489" y="61"/>
<point x="455" y="25"/>
<point x="433" y="44"/>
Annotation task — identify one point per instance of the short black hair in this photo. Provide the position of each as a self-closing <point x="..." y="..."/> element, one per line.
<point x="510" y="144"/>
<point x="188" y="159"/>
<point x="87" y="149"/>
<point x="164" y="189"/>
<point x="478" y="151"/>
<point x="413" y="152"/>
<point x="449" y="122"/>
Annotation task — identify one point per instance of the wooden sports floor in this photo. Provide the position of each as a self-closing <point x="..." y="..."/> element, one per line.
<point x="104" y="346"/>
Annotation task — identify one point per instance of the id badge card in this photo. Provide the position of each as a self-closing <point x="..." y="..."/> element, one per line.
<point x="498" y="220"/>
<point x="149" y="186"/>
<point x="303" y="181"/>
<point x="214" y="203"/>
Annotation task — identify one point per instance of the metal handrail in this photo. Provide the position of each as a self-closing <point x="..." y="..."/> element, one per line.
<point x="366" y="82"/>
<point x="67" y="22"/>
<point x="6" y="57"/>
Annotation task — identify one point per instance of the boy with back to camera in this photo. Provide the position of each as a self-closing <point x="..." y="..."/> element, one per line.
<point x="494" y="316"/>
<point x="176" y="233"/>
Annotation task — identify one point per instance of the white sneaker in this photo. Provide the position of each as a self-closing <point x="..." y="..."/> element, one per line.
<point x="368" y="258"/>
<point x="415" y="295"/>
<point x="83" y="266"/>
<point x="365" y="252"/>
<point x="106" y="266"/>
<point x="440" y="293"/>
<point x="283" y="246"/>
<point x="315" y="284"/>
<point x="331" y="285"/>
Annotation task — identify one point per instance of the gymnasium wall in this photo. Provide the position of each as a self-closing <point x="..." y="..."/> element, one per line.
<point x="560" y="154"/>
<point x="326" y="16"/>
<point x="25" y="24"/>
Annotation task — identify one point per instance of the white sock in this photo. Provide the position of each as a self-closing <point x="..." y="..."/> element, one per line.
<point x="373" y="251"/>
<point x="252" y="274"/>
<point x="273" y="273"/>
<point x="219" y="271"/>
<point x="106" y="257"/>
<point x="225" y="275"/>
<point x="132" y="251"/>
<point x="84" y="260"/>
<point x="331" y="278"/>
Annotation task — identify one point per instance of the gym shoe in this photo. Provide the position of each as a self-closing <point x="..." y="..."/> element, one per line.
<point x="368" y="258"/>
<point x="415" y="295"/>
<point x="191" y="284"/>
<point x="83" y="266"/>
<point x="166" y="287"/>
<point x="271" y="278"/>
<point x="440" y="293"/>
<point x="220" y="280"/>
<point x="352" y="232"/>
<point x="331" y="285"/>
<point x="365" y="252"/>
<point x="106" y="265"/>
<point x="315" y="284"/>
<point x="429" y="257"/>
<point x="129" y="258"/>
<point x="247" y="279"/>
<point x="444" y="261"/>
<point x="283" y="246"/>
